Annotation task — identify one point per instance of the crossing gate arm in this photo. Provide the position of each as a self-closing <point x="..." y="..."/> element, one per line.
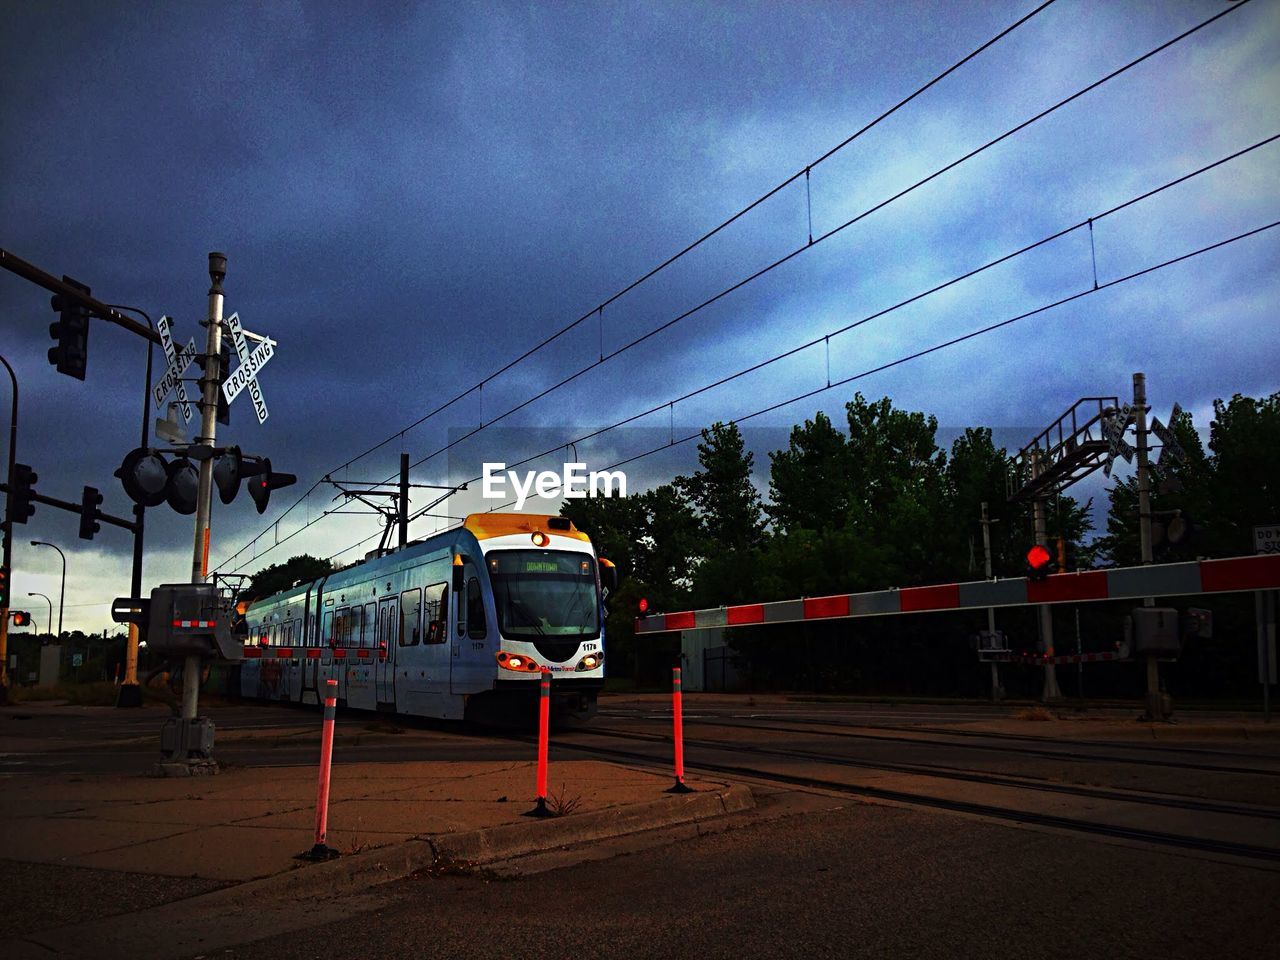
<point x="1230" y="575"/>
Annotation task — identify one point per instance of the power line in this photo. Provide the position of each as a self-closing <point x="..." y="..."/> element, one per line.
<point x="792" y="254"/>
<point x="825" y="338"/>
<point x="973" y="334"/>
<point x="826" y="236"/>
<point x="672" y="259"/>
<point x="948" y="343"/>
<point x="1088" y="221"/>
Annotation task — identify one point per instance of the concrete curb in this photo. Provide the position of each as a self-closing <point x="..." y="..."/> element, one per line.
<point x="290" y="900"/>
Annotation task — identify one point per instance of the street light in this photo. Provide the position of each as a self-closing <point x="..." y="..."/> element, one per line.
<point x="62" y="595"/>
<point x="49" y="602"/>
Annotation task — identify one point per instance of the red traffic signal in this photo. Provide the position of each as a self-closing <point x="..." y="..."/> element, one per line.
<point x="21" y="618"/>
<point x="1040" y="562"/>
<point x="642" y="607"/>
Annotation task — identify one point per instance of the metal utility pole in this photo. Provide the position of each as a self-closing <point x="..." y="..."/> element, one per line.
<point x="1080" y="654"/>
<point x="6" y="551"/>
<point x="1155" y="708"/>
<point x="130" y="693"/>
<point x="1051" y="691"/>
<point x="404" y="500"/>
<point x="62" y="594"/>
<point x="991" y="611"/>
<point x="208" y="435"/>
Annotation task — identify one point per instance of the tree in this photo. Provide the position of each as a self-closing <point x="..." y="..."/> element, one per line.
<point x="282" y="576"/>
<point x="722" y="495"/>
<point x="808" y="482"/>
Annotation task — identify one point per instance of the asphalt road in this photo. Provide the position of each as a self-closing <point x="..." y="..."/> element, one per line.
<point x="857" y="879"/>
<point x="862" y="881"/>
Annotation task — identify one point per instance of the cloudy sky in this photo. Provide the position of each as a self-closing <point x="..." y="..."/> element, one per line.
<point x="411" y="195"/>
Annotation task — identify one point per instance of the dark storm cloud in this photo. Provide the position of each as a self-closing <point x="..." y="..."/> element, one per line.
<point x="411" y="194"/>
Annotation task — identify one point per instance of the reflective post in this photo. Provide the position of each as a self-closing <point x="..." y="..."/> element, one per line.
<point x="321" y="850"/>
<point x="544" y="723"/>
<point x="677" y="721"/>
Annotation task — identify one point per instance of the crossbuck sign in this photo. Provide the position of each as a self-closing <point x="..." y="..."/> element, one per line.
<point x="178" y="363"/>
<point x="246" y="375"/>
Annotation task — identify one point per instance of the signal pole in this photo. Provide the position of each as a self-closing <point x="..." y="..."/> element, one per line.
<point x="1051" y="691"/>
<point x="1155" y="708"/>
<point x="6" y="547"/>
<point x="991" y="611"/>
<point x="208" y="435"/>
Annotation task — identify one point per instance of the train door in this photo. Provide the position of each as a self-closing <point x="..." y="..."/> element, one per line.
<point x="474" y="641"/>
<point x="385" y="664"/>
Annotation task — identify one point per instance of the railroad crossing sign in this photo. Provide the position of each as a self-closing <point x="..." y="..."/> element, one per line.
<point x="1169" y="445"/>
<point x="177" y="366"/>
<point x="246" y="375"/>
<point x="1113" y="430"/>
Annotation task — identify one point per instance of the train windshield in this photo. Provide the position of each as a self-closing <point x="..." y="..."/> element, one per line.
<point x="545" y="593"/>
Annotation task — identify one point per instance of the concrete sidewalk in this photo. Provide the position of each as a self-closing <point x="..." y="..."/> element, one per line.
<point x="247" y="824"/>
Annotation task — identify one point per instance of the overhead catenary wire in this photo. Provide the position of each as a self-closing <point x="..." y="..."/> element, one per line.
<point x="669" y="404"/>
<point x="803" y="247"/>
<point x="907" y="358"/>
<point x="944" y="344"/>
<point x="654" y="271"/>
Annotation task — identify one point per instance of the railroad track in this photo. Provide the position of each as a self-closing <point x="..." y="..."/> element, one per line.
<point x="994" y="747"/>
<point x="1253" y="852"/>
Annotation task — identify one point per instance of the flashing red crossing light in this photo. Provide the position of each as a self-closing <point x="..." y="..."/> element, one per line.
<point x="642" y="607"/>
<point x="1040" y="562"/>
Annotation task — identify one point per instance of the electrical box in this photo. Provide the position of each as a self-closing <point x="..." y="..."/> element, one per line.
<point x="191" y="619"/>
<point x="1156" y="630"/>
<point x="180" y="739"/>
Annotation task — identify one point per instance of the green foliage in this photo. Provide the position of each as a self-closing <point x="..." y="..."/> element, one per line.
<point x="721" y="493"/>
<point x="282" y="576"/>
<point x="1224" y="493"/>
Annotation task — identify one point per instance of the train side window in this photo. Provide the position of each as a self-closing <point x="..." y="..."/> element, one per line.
<point x="370" y="626"/>
<point x="435" y="607"/>
<point x="475" y="610"/>
<point x="352" y="639"/>
<point x="339" y="627"/>
<point x="410" y="617"/>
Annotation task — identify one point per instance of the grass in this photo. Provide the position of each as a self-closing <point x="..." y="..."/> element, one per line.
<point x="98" y="694"/>
<point x="561" y="804"/>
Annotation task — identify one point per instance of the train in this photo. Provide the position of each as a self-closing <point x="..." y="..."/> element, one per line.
<point x="457" y="626"/>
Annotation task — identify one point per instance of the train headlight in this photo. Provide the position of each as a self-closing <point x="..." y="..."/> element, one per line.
<point x="589" y="662"/>
<point x="518" y="662"/>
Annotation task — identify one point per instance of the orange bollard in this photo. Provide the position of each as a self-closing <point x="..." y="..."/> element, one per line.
<point x="321" y="850"/>
<point x="544" y="723"/>
<point x="677" y="721"/>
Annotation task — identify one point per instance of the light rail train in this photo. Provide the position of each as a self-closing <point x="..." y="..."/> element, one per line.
<point x="456" y="626"/>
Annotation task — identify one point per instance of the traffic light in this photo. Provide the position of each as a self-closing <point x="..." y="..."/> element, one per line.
<point x="4" y="587"/>
<point x="642" y="607"/>
<point x="182" y="489"/>
<point x="20" y="506"/>
<point x="228" y="470"/>
<point x="90" y="501"/>
<point x="70" y="333"/>
<point x="1040" y="562"/>
<point x="21" y="618"/>
<point x="264" y="481"/>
